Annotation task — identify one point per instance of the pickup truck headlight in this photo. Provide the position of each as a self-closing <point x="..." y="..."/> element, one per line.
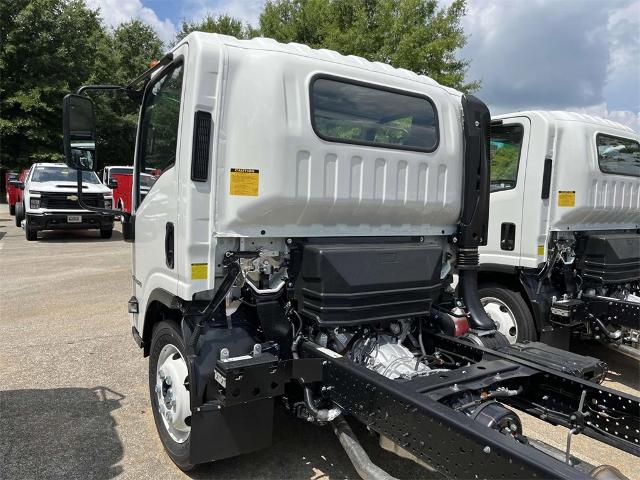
<point x="108" y="203"/>
<point x="34" y="203"/>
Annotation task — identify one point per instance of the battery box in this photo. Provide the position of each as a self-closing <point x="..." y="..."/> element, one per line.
<point x="568" y="312"/>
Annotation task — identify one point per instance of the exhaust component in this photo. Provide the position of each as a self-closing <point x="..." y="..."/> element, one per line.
<point x="607" y="472"/>
<point x="359" y="458"/>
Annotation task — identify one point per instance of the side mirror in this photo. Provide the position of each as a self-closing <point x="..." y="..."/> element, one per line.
<point x="13" y="183"/>
<point x="79" y="132"/>
<point x="20" y="185"/>
<point x="112" y="184"/>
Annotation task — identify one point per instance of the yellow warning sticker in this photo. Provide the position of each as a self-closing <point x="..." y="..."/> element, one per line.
<point x="244" y="182"/>
<point x="541" y="250"/>
<point x="567" y="198"/>
<point x="199" y="271"/>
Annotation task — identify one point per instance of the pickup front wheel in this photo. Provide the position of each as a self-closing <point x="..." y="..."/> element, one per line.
<point x="19" y="212"/>
<point x="169" y="391"/>
<point x="30" y="233"/>
<point x="509" y="312"/>
<point x="106" y="232"/>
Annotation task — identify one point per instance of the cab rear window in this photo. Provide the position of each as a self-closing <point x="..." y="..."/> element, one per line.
<point x="352" y="112"/>
<point x="620" y="156"/>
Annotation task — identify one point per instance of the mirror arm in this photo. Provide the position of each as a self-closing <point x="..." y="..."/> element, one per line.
<point x="84" y="88"/>
<point x="126" y="215"/>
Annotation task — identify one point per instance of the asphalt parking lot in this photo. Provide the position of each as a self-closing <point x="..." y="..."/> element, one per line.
<point x="74" y="398"/>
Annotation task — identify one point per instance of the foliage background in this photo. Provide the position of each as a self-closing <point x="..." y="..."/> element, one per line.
<point x="51" y="47"/>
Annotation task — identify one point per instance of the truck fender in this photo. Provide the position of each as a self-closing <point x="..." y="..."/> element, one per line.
<point x="161" y="305"/>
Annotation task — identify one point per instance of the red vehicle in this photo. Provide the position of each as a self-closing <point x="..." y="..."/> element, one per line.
<point x="14" y="194"/>
<point x="120" y="179"/>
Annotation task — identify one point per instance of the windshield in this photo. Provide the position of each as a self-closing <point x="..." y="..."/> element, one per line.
<point x="618" y="155"/>
<point x="121" y="171"/>
<point x="61" y="174"/>
<point x="147" y="180"/>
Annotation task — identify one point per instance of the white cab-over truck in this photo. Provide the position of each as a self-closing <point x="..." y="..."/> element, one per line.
<point x="563" y="250"/>
<point x="51" y="201"/>
<point x="299" y="246"/>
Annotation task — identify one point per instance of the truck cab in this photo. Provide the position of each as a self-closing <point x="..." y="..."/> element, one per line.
<point x="12" y="191"/>
<point x="14" y="187"/>
<point x="120" y="180"/>
<point x="563" y="249"/>
<point x="51" y="201"/>
<point x="299" y="245"/>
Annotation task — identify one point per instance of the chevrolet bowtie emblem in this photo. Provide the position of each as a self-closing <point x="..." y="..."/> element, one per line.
<point x="73" y="198"/>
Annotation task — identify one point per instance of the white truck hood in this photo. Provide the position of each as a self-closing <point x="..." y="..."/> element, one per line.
<point x="68" y="187"/>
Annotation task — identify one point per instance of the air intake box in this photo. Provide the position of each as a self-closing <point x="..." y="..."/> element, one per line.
<point x="610" y="258"/>
<point x="351" y="284"/>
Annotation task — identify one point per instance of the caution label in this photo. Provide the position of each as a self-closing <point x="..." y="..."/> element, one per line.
<point x="244" y="182"/>
<point x="199" y="271"/>
<point x="541" y="250"/>
<point x="567" y="198"/>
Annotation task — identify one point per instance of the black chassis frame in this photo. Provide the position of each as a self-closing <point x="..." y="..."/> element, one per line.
<point x="410" y="413"/>
<point x="612" y="310"/>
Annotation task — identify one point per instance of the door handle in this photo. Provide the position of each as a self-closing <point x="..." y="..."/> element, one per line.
<point x="169" y="245"/>
<point x="508" y="236"/>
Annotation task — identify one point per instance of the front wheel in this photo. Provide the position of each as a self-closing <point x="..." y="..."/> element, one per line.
<point x="30" y="234"/>
<point x="106" y="232"/>
<point x="509" y="311"/>
<point x="19" y="211"/>
<point x="12" y="210"/>
<point x="168" y="388"/>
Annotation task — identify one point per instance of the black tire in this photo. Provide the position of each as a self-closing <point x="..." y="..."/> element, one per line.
<point x="30" y="234"/>
<point x="526" y="329"/>
<point x="12" y="210"/>
<point x="19" y="212"/>
<point x="106" y="232"/>
<point x="165" y="333"/>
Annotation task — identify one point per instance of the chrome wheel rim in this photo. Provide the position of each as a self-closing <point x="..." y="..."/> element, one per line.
<point x="502" y="316"/>
<point x="173" y="404"/>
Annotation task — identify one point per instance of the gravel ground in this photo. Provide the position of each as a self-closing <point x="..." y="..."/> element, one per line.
<point x="74" y="399"/>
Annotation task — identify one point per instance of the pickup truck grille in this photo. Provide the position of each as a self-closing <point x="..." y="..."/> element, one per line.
<point x="61" y="201"/>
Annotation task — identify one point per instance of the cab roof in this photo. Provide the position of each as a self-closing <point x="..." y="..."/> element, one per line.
<point x="326" y="55"/>
<point x="562" y="116"/>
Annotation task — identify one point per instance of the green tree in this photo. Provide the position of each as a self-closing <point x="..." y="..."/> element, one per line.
<point x="129" y="51"/>
<point x="224" y="24"/>
<point x="414" y="34"/>
<point x="48" y="48"/>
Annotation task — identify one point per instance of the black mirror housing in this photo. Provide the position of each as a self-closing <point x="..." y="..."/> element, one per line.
<point x="79" y="132"/>
<point x="20" y="185"/>
<point x="112" y="184"/>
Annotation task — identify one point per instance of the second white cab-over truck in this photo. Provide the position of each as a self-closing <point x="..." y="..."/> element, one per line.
<point x="299" y="245"/>
<point x="563" y="249"/>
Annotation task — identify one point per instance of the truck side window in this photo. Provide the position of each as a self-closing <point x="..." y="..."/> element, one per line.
<point x="617" y="155"/>
<point x="352" y="112"/>
<point x="506" y="144"/>
<point x="160" y="118"/>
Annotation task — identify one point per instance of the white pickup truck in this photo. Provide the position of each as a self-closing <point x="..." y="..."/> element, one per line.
<point x="51" y="201"/>
<point x="563" y="248"/>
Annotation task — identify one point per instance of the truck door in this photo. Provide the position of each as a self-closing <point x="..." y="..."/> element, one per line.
<point x="156" y="213"/>
<point x="509" y="151"/>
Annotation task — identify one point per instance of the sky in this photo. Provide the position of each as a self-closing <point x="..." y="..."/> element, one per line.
<point x="578" y="55"/>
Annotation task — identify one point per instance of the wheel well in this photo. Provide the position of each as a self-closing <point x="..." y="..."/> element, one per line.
<point x="510" y="281"/>
<point x="157" y="312"/>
